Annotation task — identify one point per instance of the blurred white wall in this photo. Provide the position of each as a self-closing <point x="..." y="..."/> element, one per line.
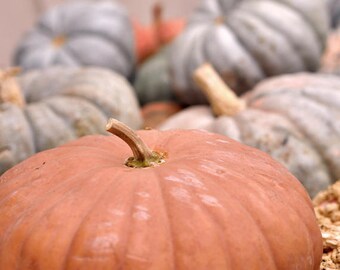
<point x="17" y="16"/>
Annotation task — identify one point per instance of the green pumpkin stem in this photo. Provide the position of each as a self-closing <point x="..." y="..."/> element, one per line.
<point x="10" y="91"/>
<point x="143" y="156"/>
<point x="222" y="99"/>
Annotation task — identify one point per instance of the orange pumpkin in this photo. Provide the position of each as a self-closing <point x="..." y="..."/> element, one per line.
<point x="149" y="39"/>
<point x="155" y="113"/>
<point x="196" y="201"/>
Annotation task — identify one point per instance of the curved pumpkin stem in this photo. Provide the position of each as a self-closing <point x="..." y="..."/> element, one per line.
<point x="9" y="88"/>
<point x="143" y="156"/>
<point x="157" y="12"/>
<point x="222" y="99"/>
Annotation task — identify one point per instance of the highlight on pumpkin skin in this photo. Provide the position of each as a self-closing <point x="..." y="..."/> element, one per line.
<point x="9" y="88"/>
<point x="222" y="99"/>
<point x="143" y="156"/>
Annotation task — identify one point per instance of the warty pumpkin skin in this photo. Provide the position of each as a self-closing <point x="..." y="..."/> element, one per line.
<point x="211" y="204"/>
<point x="294" y="118"/>
<point x="247" y="41"/>
<point x="80" y="33"/>
<point x="62" y="104"/>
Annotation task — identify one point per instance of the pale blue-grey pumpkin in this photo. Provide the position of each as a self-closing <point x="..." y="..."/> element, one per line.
<point x="294" y="118"/>
<point x="247" y="41"/>
<point x="62" y="104"/>
<point x="80" y="33"/>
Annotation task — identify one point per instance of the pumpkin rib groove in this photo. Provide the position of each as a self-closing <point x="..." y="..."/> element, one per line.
<point x="254" y="221"/>
<point x="45" y="30"/>
<point x="58" y="115"/>
<point x="71" y="55"/>
<point x="280" y="33"/>
<point x="306" y="59"/>
<point x="261" y="57"/>
<point x="306" y="138"/>
<point x="49" y="129"/>
<point x="105" y="37"/>
<point x="160" y="186"/>
<point x="88" y="212"/>
<point x="246" y="54"/>
<point x="245" y="49"/>
<point x="33" y="132"/>
<point x="12" y="182"/>
<point x="302" y="93"/>
<point x="205" y="208"/>
<point x="128" y="237"/>
<point x="307" y="131"/>
<point x="261" y="186"/>
<point x="196" y="42"/>
<point x="76" y="188"/>
<point x="21" y="218"/>
<point x="69" y="121"/>
<point x="94" y="104"/>
<point x="317" y="35"/>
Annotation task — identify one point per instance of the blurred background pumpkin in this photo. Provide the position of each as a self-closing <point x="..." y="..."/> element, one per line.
<point x="247" y="41"/>
<point x="294" y="118"/>
<point x="18" y="16"/>
<point x="46" y="108"/>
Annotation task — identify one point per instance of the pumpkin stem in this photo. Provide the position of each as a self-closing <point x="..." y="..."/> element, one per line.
<point x="222" y="99"/>
<point x="9" y="88"/>
<point x="158" y="20"/>
<point x="143" y="156"/>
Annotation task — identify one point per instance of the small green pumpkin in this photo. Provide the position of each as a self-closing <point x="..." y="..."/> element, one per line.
<point x="153" y="79"/>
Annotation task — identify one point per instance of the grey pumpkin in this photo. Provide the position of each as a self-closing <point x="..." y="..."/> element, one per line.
<point x="334" y="11"/>
<point x="62" y="104"/>
<point x="294" y="118"/>
<point x="80" y="33"/>
<point x="153" y="79"/>
<point x="247" y="41"/>
<point x="331" y="57"/>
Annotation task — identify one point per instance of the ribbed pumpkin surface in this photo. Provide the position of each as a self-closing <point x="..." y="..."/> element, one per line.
<point x="80" y="33"/>
<point x="213" y="204"/>
<point x="63" y="104"/>
<point x="247" y="41"/>
<point x="294" y="118"/>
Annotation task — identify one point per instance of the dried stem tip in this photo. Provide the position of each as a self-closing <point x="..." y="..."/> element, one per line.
<point x="142" y="155"/>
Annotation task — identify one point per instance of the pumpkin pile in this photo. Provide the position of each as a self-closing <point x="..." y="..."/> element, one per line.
<point x="184" y="200"/>
<point x="247" y="41"/>
<point x="80" y="33"/>
<point x="294" y="118"/>
<point x="239" y="106"/>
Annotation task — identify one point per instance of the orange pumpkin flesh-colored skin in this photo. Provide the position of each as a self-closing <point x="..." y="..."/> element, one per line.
<point x="149" y="39"/>
<point x="155" y="113"/>
<point x="213" y="204"/>
<point x="146" y="41"/>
